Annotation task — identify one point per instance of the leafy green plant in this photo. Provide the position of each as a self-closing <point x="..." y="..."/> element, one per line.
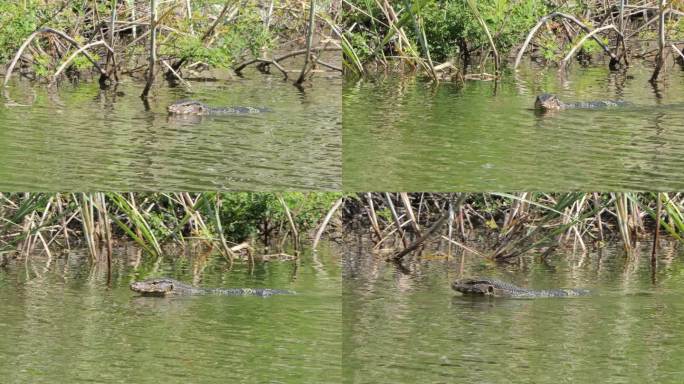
<point x="450" y="26"/>
<point x="216" y="33"/>
<point x="16" y="23"/>
<point x="549" y="47"/>
<point x="42" y="65"/>
<point x="152" y="219"/>
<point x="591" y="46"/>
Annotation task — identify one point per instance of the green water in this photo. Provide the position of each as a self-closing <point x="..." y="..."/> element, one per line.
<point x="79" y="138"/>
<point x="61" y="323"/>
<point x="409" y="328"/>
<point x="401" y="134"/>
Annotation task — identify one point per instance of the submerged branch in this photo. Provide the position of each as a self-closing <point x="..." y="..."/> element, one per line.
<point x="591" y="34"/>
<point x="153" y="49"/>
<point x="544" y="19"/>
<point x="28" y="41"/>
<point x="275" y="61"/>
<point x="76" y="53"/>
<point x="309" y="43"/>
<point x="325" y="221"/>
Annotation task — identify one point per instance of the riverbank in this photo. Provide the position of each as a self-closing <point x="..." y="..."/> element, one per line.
<point x="54" y="40"/>
<point x="458" y="41"/>
<point x="503" y="227"/>
<point x="228" y="223"/>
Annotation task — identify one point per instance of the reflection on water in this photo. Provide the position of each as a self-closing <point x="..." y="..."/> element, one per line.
<point x="480" y="138"/>
<point x="402" y="328"/>
<point x="80" y="138"/>
<point x="60" y="323"/>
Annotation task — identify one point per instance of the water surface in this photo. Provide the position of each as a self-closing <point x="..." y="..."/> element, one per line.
<point x="404" y="134"/>
<point x="412" y="328"/>
<point x="61" y="323"/>
<point x="77" y="137"/>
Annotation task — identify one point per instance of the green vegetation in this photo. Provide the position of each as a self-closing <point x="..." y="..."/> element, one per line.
<point x="453" y="32"/>
<point x="116" y="37"/>
<point x="45" y="222"/>
<point x="450" y="27"/>
<point x="16" y="23"/>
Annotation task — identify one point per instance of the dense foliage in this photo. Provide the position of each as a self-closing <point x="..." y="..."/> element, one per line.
<point x="210" y="33"/>
<point x="151" y="219"/>
<point x="450" y="26"/>
<point x="426" y="33"/>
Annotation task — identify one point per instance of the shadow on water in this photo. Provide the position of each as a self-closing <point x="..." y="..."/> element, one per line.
<point x="81" y="137"/>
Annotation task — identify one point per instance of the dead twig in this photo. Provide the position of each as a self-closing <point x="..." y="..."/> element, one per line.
<point x="76" y="53"/>
<point x="325" y="221"/>
<point x="153" y="49"/>
<point x="579" y="44"/>
<point x="309" y="42"/>
<point x="553" y="15"/>
<point x="28" y="41"/>
<point x="413" y="246"/>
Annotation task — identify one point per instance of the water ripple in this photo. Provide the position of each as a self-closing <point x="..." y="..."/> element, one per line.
<point x="477" y="139"/>
<point x="83" y="139"/>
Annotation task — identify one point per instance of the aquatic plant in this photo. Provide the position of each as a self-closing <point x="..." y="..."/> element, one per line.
<point x="515" y="223"/>
<point x="44" y="222"/>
